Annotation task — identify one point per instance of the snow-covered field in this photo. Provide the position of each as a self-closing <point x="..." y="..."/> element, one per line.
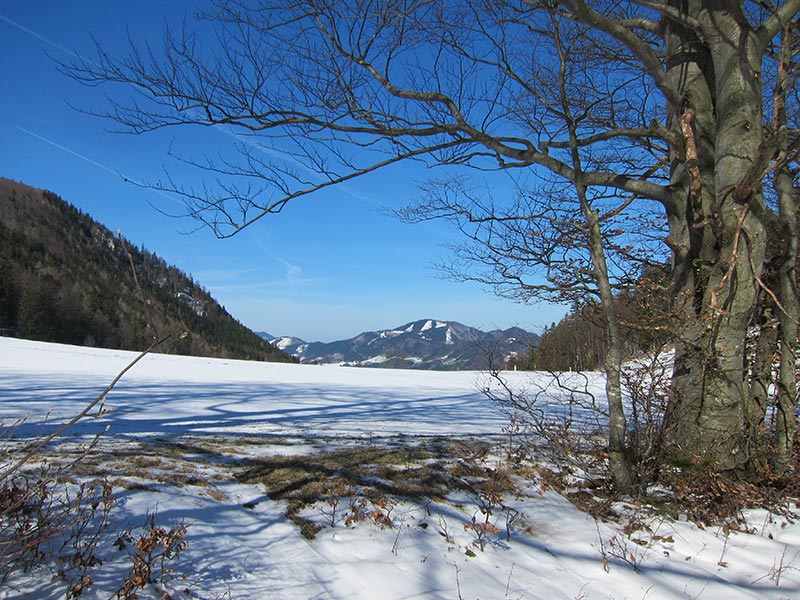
<point x="241" y="544"/>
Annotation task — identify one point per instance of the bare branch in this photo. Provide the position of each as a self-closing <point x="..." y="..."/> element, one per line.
<point x="782" y="16"/>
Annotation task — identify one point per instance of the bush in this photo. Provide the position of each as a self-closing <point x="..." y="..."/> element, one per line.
<point x="51" y="524"/>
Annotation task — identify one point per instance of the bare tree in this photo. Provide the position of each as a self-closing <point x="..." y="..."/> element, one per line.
<point x="558" y="243"/>
<point x="674" y="101"/>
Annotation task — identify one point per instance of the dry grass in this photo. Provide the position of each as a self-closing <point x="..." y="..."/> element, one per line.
<point x="363" y="481"/>
<point x="142" y="464"/>
<point x="344" y="481"/>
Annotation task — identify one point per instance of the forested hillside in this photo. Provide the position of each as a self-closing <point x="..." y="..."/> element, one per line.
<point x="66" y="278"/>
<point x="578" y="341"/>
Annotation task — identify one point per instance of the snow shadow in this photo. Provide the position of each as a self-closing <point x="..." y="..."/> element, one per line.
<point x="137" y="408"/>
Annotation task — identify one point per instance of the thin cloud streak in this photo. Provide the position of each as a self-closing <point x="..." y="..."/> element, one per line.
<point x="74" y="153"/>
<point x="93" y="162"/>
<point x="226" y="130"/>
<point x="40" y="37"/>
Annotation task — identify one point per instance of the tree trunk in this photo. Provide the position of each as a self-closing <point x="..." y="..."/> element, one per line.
<point x="619" y="463"/>
<point x="760" y="384"/>
<point x="790" y="311"/>
<point x="789" y="315"/>
<point x="716" y="233"/>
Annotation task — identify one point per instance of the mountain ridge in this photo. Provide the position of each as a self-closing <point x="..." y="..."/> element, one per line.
<point x="422" y="344"/>
<point x="64" y="277"/>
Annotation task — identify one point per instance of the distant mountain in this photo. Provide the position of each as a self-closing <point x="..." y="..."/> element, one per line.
<point x="66" y="278"/>
<point x="423" y="344"/>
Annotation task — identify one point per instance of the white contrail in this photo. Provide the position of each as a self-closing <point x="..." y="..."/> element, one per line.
<point x="96" y="164"/>
<point x="226" y="130"/>
<point x="285" y="156"/>
<point x="40" y="37"/>
<point x="73" y="153"/>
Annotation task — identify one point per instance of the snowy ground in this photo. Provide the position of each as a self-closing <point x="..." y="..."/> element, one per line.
<point x="241" y="544"/>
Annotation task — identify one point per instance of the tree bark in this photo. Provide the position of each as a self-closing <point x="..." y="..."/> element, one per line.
<point x="790" y="309"/>
<point x="789" y="315"/>
<point x="761" y="384"/>
<point x="619" y="463"/>
<point x="716" y="231"/>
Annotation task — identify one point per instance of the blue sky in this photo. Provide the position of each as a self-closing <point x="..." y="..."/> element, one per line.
<point x="328" y="267"/>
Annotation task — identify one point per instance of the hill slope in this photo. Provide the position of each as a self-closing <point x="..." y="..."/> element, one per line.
<point x="423" y="344"/>
<point x="66" y="278"/>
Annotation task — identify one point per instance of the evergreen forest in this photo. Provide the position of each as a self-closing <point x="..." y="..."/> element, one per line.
<point x="66" y="278"/>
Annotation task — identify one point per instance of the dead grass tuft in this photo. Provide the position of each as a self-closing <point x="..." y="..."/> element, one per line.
<point x="360" y="482"/>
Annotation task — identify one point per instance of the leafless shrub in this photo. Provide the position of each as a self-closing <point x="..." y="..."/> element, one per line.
<point x="151" y="554"/>
<point x="784" y="564"/>
<point x="483" y="528"/>
<point x="51" y="526"/>
<point x="47" y="520"/>
<point x="560" y="421"/>
<point x="558" y="418"/>
<point x="647" y="381"/>
<point x="488" y="496"/>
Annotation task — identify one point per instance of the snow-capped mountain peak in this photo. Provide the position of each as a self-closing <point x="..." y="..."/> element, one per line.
<point x="422" y="344"/>
<point x="285" y="342"/>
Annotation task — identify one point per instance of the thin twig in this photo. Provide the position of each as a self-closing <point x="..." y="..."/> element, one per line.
<point x="148" y="317"/>
<point x="100" y="397"/>
<point x="734" y="259"/>
<point x="769" y="292"/>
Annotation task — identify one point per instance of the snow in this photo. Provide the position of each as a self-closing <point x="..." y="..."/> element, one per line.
<point x="432" y="325"/>
<point x="391" y="334"/>
<point x="236" y="552"/>
<point x="376" y="360"/>
<point x="283" y="343"/>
